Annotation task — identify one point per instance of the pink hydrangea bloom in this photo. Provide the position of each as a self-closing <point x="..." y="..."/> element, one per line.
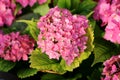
<point x="105" y="9"/>
<point x="15" y="47"/>
<point x="112" y="30"/>
<point x="62" y="34"/>
<point x="6" y="12"/>
<point x="25" y="3"/>
<point x="111" y="70"/>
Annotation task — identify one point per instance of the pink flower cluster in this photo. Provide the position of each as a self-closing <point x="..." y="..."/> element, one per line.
<point x="15" y="47"/>
<point x="25" y="3"/>
<point x="109" y="12"/>
<point x="111" y="70"/>
<point x="6" y="12"/>
<point x="62" y="34"/>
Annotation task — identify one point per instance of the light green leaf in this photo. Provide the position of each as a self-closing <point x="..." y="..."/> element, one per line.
<point x="32" y="28"/>
<point x="83" y="55"/>
<point x="41" y="9"/>
<point x="41" y="62"/>
<point x="6" y="65"/>
<point x="64" y="4"/>
<point x="24" y="73"/>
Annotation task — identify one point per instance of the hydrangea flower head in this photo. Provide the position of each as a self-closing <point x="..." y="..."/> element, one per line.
<point x="112" y="30"/>
<point x="62" y="34"/>
<point x="111" y="70"/>
<point x="7" y="8"/>
<point x="15" y="47"/>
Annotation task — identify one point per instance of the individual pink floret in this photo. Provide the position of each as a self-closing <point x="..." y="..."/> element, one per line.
<point x="62" y="34"/>
<point x="15" y="47"/>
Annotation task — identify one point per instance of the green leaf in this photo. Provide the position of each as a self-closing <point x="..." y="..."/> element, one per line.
<point x="20" y="26"/>
<point x="75" y="3"/>
<point x="31" y="28"/>
<point x="41" y="9"/>
<point x="104" y="50"/>
<point x="41" y="62"/>
<point x="18" y="8"/>
<point x="52" y="77"/>
<point x="6" y="65"/>
<point x="85" y="7"/>
<point x="83" y="55"/>
<point x="64" y="4"/>
<point x="24" y="73"/>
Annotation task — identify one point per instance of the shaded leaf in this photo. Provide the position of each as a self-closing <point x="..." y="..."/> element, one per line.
<point x="6" y="65"/>
<point x="52" y="77"/>
<point x="104" y="50"/>
<point x="86" y="6"/>
<point x="24" y="73"/>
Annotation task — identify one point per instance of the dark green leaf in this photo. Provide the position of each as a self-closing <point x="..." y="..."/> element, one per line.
<point x="6" y="65"/>
<point x="24" y="73"/>
<point x="104" y="50"/>
<point x="52" y="77"/>
<point x="86" y="6"/>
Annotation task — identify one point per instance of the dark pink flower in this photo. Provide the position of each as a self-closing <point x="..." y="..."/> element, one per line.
<point x="111" y="70"/>
<point x="15" y="47"/>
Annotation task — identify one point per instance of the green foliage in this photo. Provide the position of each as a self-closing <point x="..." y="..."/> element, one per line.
<point x="104" y="50"/>
<point x="49" y="76"/>
<point x="6" y="65"/>
<point x="85" y="7"/>
<point x="31" y="28"/>
<point x="41" y="9"/>
<point x="64" y="4"/>
<point x="41" y="62"/>
<point x="23" y="73"/>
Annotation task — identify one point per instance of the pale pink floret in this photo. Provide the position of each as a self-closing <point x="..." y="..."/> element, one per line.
<point x="112" y="31"/>
<point x="111" y="69"/>
<point x="15" y="47"/>
<point x="62" y="34"/>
